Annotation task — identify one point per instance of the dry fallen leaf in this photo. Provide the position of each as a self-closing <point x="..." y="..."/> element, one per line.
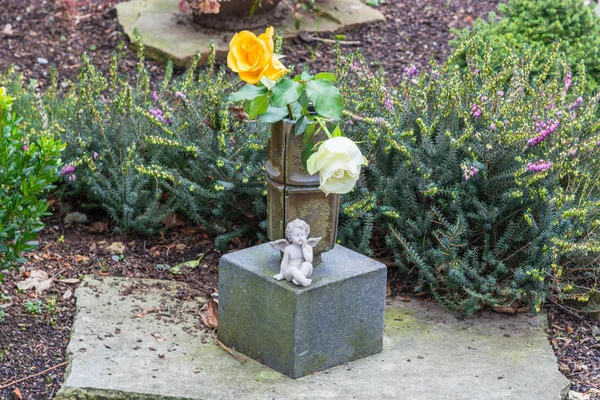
<point x="68" y="294"/>
<point x="116" y="248"/>
<point x="210" y="314"/>
<point x="504" y="310"/>
<point x="16" y="394"/>
<point x="405" y="299"/>
<point x="98" y="227"/>
<point x="173" y="221"/>
<point x="79" y="257"/>
<point x="38" y="280"/>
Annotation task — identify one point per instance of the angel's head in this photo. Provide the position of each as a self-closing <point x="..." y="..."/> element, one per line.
<point x="297" y="232"/>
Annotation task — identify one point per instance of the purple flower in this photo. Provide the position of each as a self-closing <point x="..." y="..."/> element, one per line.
<point x="388" y="104"/>
<point x="154" y="96"/>
<point x="576" y="104"/>
<point x="546" y="129"/>
<point x="505" y="122"/>
<point x="469" y="172"/>
<point x="476" y="72"/>
<point x="95" y="156"/>
<point x="568" y="80"/>
<point x="25" y="148"/>
<point x="500" y="93"/>
<point x="67" y="169"/>
<point x="180" y="95"/>
<point x="539" y="166"/>
<point x="476" y="110"/>
<point x="492" y="126"/>
<point x="484" y="98"/>
<point x="410" y="72"/>
<point x="72" y="178"/>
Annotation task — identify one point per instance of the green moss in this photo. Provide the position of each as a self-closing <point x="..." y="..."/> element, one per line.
<point x="399" y="321"/>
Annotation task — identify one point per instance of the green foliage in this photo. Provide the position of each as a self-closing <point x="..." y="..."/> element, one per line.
<point x="2" y="316"/>
<point x="27" y="171"/>
<point x="484" y="183"/>
<point x="33" y="307"/>
<point x="142" y="153"/>
<point x="537" y="25"/>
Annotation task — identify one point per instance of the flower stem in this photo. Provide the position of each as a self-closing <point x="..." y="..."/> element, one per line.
<point x="324" y="127"/>
<point x="290" y="111"/>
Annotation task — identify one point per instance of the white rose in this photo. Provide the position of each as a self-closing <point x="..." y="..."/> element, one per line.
<point x="338" y="161"/>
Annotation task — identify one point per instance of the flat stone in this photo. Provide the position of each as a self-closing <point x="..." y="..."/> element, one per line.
<point x="169" y="35"/>
<point x="428" y="354"/>
<point x="301" y="330"/>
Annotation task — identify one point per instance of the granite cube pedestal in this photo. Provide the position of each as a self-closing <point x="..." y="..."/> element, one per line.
<point x="300" y="330"/>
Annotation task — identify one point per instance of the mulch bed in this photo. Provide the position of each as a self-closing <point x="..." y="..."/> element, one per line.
<point x="42" y="34"/>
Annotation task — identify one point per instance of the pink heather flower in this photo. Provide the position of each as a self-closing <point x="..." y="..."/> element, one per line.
<point x="410" y="72"/>
<point x="484" y="98"/>
<point x="492" y="126"/>
<point x="500" y="93"/>
<point x="576" y="104"/>
<point x="546" y="130"/>
<point x="67" y="169"/>
<point x="72" y="178"/>
<point x="154" y="96"/>
<point x="469" y="172"/>
<point x="25" y="148"/>
<point x="539" y="166"/>
<point x="476" y="110"/>
<point x="180" y="95"/>
<point x="388" y="104"/>
<point x="505" y="122"/>
<point x="568" y="80"/>
<point x="95" y="156"/>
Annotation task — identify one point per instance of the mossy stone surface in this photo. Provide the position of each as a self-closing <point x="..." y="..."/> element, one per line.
<point x="302" y="330"/>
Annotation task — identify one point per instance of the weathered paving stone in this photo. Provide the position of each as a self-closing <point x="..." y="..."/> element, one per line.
<point x="302" y="330"/>
<point x="428" y="354"/>
<point x="168" y="35"/>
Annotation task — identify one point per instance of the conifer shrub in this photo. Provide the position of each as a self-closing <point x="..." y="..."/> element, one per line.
<point x="28" y="168"/>
<point x="536" y="25"/>
<point x="483" y="182"/>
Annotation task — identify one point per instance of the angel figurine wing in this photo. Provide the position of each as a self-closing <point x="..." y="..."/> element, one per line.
<point x="280" y="244"/>
<point x="314" y="241"/>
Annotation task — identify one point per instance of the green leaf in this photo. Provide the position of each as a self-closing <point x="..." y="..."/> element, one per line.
<point x="328" y="76"/>
<point x="326" y="98"/>
<point x="267" y="82"/>
<point x="301" y="125"/>
<point x="337" y="132"/>
<point x="285" y="92"/>
<point x="273" y="114"/>
<point x="310" y="131"/>
<point x="248" y="92"/>
<point x="309" y="150"/>
<point x="188" y="264"/>
<point x="258" y="106"/>
<point x="303" y="100"/>
<point x="306" y="76"/>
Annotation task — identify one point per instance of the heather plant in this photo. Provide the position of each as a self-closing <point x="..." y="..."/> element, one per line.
<point x="481" y="182"/>
<point x="142" y="153"/>
<point x="536" y="25"/>
<point x="28" y="167"/>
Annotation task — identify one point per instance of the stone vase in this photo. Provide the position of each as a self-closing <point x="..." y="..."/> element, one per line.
<point x="292" y="193"/>
<point x="234" y="15"/>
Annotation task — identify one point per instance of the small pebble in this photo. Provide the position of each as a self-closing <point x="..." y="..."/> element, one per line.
<point x="42" y="61"/>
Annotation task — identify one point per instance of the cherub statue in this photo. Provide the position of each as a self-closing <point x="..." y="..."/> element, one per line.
<point x="297" y="249"/>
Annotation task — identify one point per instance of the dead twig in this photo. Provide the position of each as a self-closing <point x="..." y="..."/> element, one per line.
<point x="227" y="349"/>
<point x="146" y="311"/>
<point x="39" y="373"/>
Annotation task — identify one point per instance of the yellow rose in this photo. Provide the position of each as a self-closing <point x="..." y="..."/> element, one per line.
<point x="252" y="57"/>
<point x="338" y="161"/>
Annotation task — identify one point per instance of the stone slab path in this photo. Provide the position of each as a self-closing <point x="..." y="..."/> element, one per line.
<point x="428" y="354"/>
<point x="170" y="35"/>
